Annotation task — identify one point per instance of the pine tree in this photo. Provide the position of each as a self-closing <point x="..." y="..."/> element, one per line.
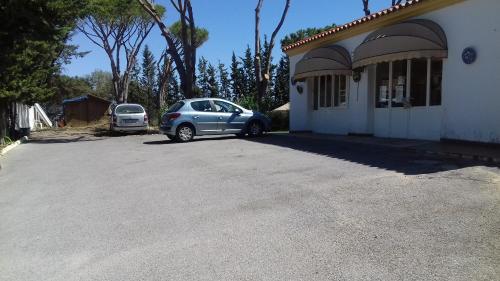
<point x="282" y="82"/>
<point x="135" y="94"/>
<point x="269" y="100"/>
<point x="173" y="92"/>
<point x="202" y="80"/>
<point x="237" y="83"/>
<point x="213" y="84"/>
<point x="148" y="80"/>
<point x="224" y="82"/>
<point x="33" y="44"/>
<point x="249" y="73"/>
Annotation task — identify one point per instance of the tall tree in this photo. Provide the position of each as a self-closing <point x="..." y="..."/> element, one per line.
<point x="282" y="81"/>
<point x="119" y="27"/>
<point x="366" y="8"/>
<point x="262" y="66"/>
<point x="101" y="83"/>
<point x="164" y="67"/>
<point x="213" y="84"/>
<point x="224" y="82"/>
<point x="203" y="77"/>
<point x="66" y="87"/>
<point x="250" y="84"/>
<point x="237" y="82"/>
<point x="173" y="93"/>
<point x="366" y="5"/>
<point x="33" y="44"/>
<point x="272" y="68"/>
<point x="183" y="38"/>
<point x="148" y="80"/>
<point x="303" y="33"/>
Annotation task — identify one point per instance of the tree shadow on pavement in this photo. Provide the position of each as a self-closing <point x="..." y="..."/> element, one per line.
<point x="387" y="158"/>
<point x="196" y="139"/>
<point x="63" y="140"/>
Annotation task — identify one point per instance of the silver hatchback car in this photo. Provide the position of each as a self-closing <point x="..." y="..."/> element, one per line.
<point x="129" y="117"/>
<point x="208" y="116"/>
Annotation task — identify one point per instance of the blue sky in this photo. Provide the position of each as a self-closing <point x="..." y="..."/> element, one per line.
<point x="231" y="27"/>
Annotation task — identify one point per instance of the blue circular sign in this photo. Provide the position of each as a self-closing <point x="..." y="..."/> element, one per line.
<point x="469" y="55"/>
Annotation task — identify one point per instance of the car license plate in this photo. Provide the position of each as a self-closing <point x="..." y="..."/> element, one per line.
<point x="128" y="121"/>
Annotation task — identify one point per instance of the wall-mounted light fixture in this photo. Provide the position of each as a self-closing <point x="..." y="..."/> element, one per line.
<point x="356" y="74"/>
<point x="469" y="55"/>
<point x="300" y="89"/>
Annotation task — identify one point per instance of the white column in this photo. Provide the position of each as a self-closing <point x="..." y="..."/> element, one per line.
<point x="390" y="85"/>
<point x="428" y="93"/>
<point x="408" y="80"/>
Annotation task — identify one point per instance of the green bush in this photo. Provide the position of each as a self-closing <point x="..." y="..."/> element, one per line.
<point x="7" y="141"/>
<point x="248" y="102"/>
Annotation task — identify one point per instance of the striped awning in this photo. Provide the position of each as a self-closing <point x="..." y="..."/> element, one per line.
<point x="407" y="40"/>
<point x="325" y="60"/>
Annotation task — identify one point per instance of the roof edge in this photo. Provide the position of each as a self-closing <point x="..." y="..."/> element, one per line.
<point x="382" y="18"/>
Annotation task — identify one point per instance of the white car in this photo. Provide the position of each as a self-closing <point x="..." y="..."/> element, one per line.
<point x="129" y="117"/>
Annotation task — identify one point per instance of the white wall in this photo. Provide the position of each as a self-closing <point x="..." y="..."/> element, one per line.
<point x="299" y="111"/>
<point x="471" y="93"/>
<point x="353" y="119"/>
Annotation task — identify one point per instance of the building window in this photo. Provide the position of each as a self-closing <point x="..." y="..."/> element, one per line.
<point x="330" y="91"/>
<point x="315" y="93"/>
<point x="424" y="77"/>
<point x="382" y="93"/>
<point x="322" y="91"/>
<point x="436" y="81"/>
<point x="340" y="90"/>
<point x="418" y="83"/>
<point x="399" y="78"/>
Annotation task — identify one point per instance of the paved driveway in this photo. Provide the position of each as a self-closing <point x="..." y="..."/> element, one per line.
<point x="275" y="208"/>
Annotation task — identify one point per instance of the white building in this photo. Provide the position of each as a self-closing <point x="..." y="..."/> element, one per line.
<point x="427" y="69"/>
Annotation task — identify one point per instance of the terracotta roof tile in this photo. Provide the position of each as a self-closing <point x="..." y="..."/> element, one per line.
<point x="354" y="23"/>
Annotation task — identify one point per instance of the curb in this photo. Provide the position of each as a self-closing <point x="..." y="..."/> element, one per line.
<point x="13" y="145"/>
<point x="455" y="155"/>
<point x="451" y="155"/>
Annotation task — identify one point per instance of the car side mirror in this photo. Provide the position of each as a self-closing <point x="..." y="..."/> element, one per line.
<point x="237" y="111"/>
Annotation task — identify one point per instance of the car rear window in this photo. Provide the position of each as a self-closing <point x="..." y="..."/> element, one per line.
<point x="129" y="109"/>
<point x="178" y="105"/>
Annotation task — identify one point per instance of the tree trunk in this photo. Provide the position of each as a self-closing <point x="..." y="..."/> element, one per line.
<point x="366" y="8"/>
<point x="262" y="72"/>
<point x="3" y="121"/>
<point x="185" y="64"/>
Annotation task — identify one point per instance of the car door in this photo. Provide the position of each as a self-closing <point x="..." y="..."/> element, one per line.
<point x="204" y="117"/>
<point x="231" y="119"/>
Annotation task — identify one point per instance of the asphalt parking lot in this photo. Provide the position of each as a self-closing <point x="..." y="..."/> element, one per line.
<point x="272" y="208"/>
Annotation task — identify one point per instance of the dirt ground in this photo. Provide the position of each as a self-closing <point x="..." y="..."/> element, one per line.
<point x="78" y="133"/>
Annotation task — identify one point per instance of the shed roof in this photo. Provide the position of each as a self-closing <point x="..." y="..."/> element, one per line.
<point x="82" y="98"/>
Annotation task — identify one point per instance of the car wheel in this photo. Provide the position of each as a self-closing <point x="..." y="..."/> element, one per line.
<point x="255" y="129"/>
<point x="185" y="133"/>
<point x="240" y="135"/>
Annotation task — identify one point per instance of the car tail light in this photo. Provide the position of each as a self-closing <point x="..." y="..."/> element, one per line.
<point x="173" y="116"/>
<point x="145" y="118"/>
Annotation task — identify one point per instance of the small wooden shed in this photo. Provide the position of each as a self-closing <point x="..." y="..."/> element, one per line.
<point x="82" y="111"/>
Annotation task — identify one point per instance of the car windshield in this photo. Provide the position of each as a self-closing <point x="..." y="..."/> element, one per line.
<point x="175" y="107"/>
<point x="129" y="109"/>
